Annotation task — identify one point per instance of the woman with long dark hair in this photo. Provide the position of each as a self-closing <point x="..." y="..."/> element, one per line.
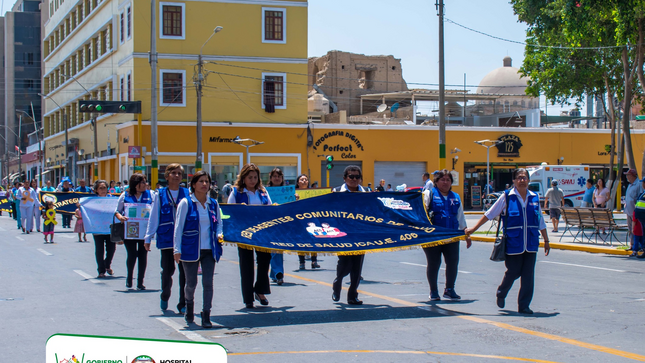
<point x="136" y="193"/>
<point x="303" y="183"/>
<point x="104" y="248"/>
<point x="522" y="225"/>
<point x="249" y="190"/>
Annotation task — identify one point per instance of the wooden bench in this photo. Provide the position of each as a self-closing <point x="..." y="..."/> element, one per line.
<point x="594" y="218"/>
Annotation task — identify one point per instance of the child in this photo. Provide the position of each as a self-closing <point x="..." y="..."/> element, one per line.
<point x="48" y="225"/>
<point x="78" y="227"/>
<point x="638" y="237"/>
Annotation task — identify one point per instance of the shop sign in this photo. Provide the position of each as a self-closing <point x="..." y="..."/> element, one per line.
<point x="509" y="147"/>
<point x="339" y="141"/>
<point x="219" y="139"/>
<point x="134" y="152"/>
<point x="606" y="151"/>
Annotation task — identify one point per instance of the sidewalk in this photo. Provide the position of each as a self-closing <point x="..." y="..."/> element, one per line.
<point x="564" y="241"/>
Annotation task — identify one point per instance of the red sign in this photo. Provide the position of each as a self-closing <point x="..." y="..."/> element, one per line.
<point x="134" y="152"/>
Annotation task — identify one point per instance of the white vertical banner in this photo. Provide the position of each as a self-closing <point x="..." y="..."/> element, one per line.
<point x="68" y="348"/>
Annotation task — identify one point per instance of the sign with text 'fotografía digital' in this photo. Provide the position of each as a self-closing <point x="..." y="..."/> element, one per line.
<point x="67" y="348"/>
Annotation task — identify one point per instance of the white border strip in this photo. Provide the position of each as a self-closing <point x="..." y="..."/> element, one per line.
<point x="194" y="57"/>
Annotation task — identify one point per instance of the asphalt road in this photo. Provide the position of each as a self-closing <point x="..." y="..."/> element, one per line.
<point x="588" y="308"/>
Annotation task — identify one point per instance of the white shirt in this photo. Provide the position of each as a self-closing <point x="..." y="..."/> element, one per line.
<point x="500" y="206"/>
<point x="254" y="198"/>
<point x="153" y="223"/>
<point x="428" y="185"/>
<point x="204" y="223"/>
<point x="460" y="213"/>
<point x="32" y="195"/>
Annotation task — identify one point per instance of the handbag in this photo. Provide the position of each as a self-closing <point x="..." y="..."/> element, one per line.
<point x="499" y="248"/>
<point x="117" y="231"/>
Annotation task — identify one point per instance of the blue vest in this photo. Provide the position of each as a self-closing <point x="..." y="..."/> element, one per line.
<point x="244" y="198"/>
<point x="522" y="225"/>
<point x="166" y="227"/>
<point x="83" y="189"/>
<point x="190" y="243"/>
<point x="145" y="198"/>
<point x="444" y="209"/>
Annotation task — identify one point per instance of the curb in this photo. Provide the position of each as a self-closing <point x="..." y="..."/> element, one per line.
<point x="567" y="246"/>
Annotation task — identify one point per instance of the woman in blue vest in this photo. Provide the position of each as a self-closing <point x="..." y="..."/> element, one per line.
<point x="197" y="241"/>
<point x="135" y="249"/>
<point x="447" y="211"/>
<point x="522" y="225"/>
<point x="249" y="190"/>
<point x="162" y="223"/>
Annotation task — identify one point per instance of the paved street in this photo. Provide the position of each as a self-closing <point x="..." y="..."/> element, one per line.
<point x="588" y="308"/>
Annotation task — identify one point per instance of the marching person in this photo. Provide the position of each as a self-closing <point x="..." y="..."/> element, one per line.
<point x="248" y="190"/>
<point x="82" y="188"/>
<point x="34" y="186"/>
<point x="553" y="200"/>
<point x="15" y="206"/>
<point x="303" y="183"/>
<point x="447" y="211"/>
<point x="351" y="265"/>
<point x="197" y="241"/>
<point x="276" y="179"/>
<point x="104" y="248"/>
<point x="162" y="223"/>
<point x="136" y="193"/>
<point x="522" y="225"/>
<point x="48" y="187"/>
<point x="66" y="188"/>
<point x="28" y="201"/>
<point x="49" y="221"/>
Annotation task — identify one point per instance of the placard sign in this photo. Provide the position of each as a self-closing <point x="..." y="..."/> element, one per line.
<point x="283" y="194"/>
<point x="138" y="215"/>
<point x="476" y="196"/>
<point x="68" y="348"/>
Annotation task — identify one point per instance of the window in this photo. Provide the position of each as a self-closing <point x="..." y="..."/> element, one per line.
<point x="274" y="25"/>
<point x="129" y="21"/>
<point x="129" y="87"/>
<point x="172" y="20"/>
<point x="122" y="30"/>
<point x="274" y="91"/>
<point x="172" y="89"/>
<point x="122" y="89"/>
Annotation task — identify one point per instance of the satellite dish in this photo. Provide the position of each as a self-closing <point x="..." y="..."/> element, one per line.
<point x="381" y="108"/>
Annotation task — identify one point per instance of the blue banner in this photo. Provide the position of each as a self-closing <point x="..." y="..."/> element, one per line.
<point x="64" y="202"/>
<point x="336" y="223"/>
<point x="98" y="213"/>
<point x="281" y="195"/>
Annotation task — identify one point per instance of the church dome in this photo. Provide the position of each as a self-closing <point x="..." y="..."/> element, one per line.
<point x="504" y="80"/>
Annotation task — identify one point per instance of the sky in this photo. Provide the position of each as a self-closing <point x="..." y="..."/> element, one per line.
<point x="408" y="30"/>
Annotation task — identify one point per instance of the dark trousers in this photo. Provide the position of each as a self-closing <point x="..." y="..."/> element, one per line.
<point x="208" y="268"/>
<point x="352" y="266"/>
<point x="135" y="250"/>
<point x="314" y="258"/>
<point x="13" y="213"/>
<point x="247" y="267"/>
<point x="104" y="251"/>
<point x="522" y="266"/>
<point x="450" y="254"/>
<point x="67" y="220"/>
<point x="167" y="270"/>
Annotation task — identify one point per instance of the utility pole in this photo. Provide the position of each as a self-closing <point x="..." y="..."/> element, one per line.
<point x="442" y="93"/>
<point x="96" y="150"/>
<point x="20" y="149"/>
<point x="200" y="80"/>
<point x="154" y="173"/>
<point x="67" y="142"/>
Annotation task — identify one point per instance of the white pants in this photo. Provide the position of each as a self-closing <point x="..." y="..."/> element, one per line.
<point x="27" y="217"/>
<point x="37" y="216"/>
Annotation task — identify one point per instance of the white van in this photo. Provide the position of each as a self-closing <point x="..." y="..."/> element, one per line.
<point x="572" y="179"/>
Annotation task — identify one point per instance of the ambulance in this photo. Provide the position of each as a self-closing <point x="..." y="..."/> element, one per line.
<point x="572" y="179"/>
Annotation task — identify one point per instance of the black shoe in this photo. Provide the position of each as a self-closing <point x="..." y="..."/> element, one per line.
<point x="335" y="296"/>
<point x="206" y="319"/>
<point x="451" y="294"/>
<point x="314" y="265"/>
<point x="434" y="296"/>
<point x="525" y="311"/>
<point x="190" y="312"/>
<point x="279" y="276"/>
<point x="500" y="302"/>
<point x="128" y="285"/>
<point x="264" y="301"/>
<point x="141" y="287"/>
<point x="249" y="306"/>
<point x="354" y="302"/>
<point x="280" y="282"/>
<point x="302" y="266"/>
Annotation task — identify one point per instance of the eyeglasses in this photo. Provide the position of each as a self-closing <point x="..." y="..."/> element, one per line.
<point x="521" y="178"/>
<point x="354" y="176"/>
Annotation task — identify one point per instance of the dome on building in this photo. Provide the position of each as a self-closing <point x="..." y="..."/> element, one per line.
<point x="504" y="80"/>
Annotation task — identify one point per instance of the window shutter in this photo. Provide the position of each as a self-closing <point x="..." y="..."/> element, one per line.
<point x="269" y="96"/>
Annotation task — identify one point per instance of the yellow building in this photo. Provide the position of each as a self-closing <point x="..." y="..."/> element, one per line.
<point x="99" y="50"/>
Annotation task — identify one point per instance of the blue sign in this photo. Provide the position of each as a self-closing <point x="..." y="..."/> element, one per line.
<point x="281" y="195"/>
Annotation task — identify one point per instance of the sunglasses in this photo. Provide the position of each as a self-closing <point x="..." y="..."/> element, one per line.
<point x="354" y="176"/>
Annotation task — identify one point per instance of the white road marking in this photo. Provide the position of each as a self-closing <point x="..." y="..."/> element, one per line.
<point x="441" y="268"/>
<point x="2" y="229"/>
<point x="45" y="252"/>
<point x="20" y="238"/>
<point x="575" y="265"/>
<point x="70" y="236"/>
<point x="182" y="330"/>
<point x="87" y="276"/>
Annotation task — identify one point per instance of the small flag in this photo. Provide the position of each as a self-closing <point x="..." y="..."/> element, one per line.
<point x="17" y="148"/>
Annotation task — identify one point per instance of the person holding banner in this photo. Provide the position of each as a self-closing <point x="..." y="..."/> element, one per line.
<point x="351" y="265"/>
<point x="16" y="203"/>
<point x="303" y="183"/>
<point x="446" y="210"/>
<point x="34" y="186"/>
<point x="28" y="199"/>
<point x="522" y="226"/>
<point x="276" y="179"/>
<point x="162" y="223"/>
<point x="249" y="190"/>
<point x="197" y="241"/>
<point x="66" y="188"/>
<point x="104" y="248"/>
<point x="136" y="193"/>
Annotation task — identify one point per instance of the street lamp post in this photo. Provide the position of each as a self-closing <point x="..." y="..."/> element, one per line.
<point x="487" y="144"/>
<point x="247" y="143"/>
<point x="198" y="85"/>
<point x="66" y="133"/>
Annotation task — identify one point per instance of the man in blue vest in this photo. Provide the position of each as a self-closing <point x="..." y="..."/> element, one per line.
<point x="162" y="223"/>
